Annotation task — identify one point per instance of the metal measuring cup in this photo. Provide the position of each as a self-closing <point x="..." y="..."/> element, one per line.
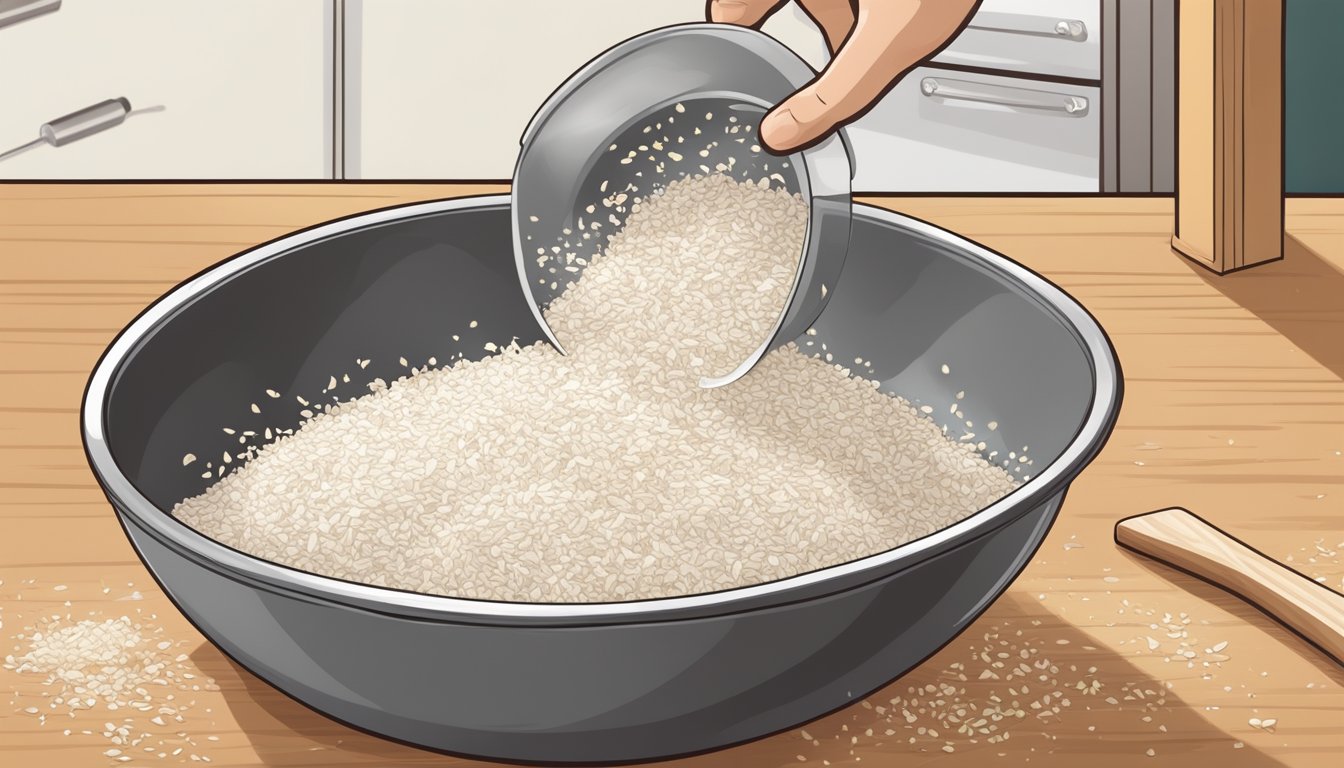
<point x="567" y="163"/>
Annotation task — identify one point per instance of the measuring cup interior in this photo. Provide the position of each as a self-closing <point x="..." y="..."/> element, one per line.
<point x="674" y="102"/>
<point x="699" y="135"/>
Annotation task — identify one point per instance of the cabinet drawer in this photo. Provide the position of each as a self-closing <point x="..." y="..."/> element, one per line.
<point x="946" y="130"/>
<point x="245" y="87"/>
<point x="1048" y="37"/>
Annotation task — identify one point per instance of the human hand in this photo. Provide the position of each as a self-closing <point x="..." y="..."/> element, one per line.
<point x="873" y="44"/>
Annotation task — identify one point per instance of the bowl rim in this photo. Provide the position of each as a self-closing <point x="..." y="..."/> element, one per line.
<point x="135" y="509"/>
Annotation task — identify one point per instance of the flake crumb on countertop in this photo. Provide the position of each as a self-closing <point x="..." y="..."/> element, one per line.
<point x="119" y="675"/>
<point x="1002" y="687"/>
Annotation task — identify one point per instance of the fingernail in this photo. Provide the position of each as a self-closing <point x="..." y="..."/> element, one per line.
<point x="780" y="130"/>
<point x="729" y="12"/>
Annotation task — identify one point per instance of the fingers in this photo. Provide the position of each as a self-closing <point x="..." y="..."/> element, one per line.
<point x="889" y="38"/>
<point x="857" y="74"/>
<point x="834" y="17"/>
<point x="745" y="13"/>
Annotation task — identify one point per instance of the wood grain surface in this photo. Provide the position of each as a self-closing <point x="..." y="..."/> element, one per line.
<point x="1234" y="408"/>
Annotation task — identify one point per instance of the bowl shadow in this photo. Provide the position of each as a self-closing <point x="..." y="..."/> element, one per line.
<point x="283" y="732"/>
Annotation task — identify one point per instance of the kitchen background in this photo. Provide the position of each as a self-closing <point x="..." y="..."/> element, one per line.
<point x="1038" y="96"/>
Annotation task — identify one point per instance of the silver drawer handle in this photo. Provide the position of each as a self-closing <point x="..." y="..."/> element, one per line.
<point x="14" y="11"/>
<point x="1024" y="24"/>
<point x="1021" y="98"/>
<point x="79" y="124"/>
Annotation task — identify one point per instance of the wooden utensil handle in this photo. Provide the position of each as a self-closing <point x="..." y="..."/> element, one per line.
<point x="1181" y="539"/>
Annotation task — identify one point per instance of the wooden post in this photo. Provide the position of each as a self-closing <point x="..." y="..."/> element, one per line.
<point x="1229" y="168"/>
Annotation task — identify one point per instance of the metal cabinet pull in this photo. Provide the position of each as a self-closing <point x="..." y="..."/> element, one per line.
<point x="79" y="124"/>
<point x="1024" y="24"/>
<point x="1020" y="98"/>
<point x="14" y="11"/>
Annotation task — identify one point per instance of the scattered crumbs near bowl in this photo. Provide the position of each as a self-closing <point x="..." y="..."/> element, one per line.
<point x="1003" y="686"/>
<point x="121" y="680"/>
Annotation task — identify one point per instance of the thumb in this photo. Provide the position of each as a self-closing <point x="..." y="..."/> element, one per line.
<point x="888" y="39"/>
<point x="853" y="78"/>
<point x="745" y="13"/>
<point x="798" y="121"/>
<point x="856" y="77"/>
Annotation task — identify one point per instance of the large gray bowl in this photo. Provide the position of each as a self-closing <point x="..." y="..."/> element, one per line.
<point x="607" y="682"/>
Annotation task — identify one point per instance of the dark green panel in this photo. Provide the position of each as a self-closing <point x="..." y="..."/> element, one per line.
<point x="1314" y="97"/>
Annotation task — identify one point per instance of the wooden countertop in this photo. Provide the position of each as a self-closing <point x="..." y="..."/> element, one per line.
<point x="1234" y="408"/>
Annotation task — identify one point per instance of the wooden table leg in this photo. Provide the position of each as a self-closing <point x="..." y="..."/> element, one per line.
<point x="1229" y="169"/>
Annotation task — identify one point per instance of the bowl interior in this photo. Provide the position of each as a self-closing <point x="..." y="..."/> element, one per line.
<point x="909" y="301"/>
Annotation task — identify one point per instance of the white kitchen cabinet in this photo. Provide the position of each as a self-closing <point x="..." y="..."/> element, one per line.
<point x="945" y="130"/>
<point x="1043" y="37"/>
<point x="917" y="142"/>
<point x="245" y="86"/>
<point x="443" y="89"/>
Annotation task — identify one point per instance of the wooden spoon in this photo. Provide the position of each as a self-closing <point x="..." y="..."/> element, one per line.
<point x="1193" y="545"/>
